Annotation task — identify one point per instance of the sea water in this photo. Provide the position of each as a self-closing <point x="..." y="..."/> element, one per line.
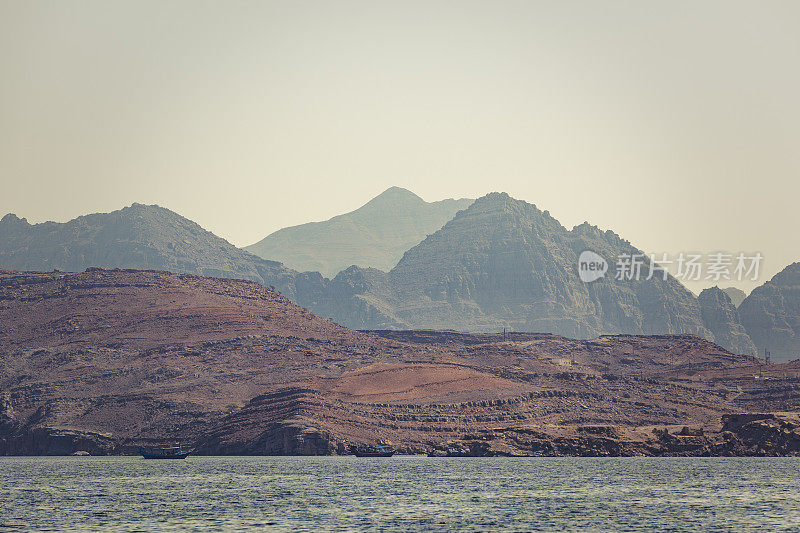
<point x="401" y="493"/>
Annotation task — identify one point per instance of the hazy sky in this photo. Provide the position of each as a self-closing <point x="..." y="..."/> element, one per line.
<point x="676" y="124"/>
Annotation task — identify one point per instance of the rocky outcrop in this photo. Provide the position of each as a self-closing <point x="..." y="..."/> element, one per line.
<point x="760" y="434"/>
<point x="375" y="235"/>
<point x="741" y="434"/>
<point x="56" y="441"/>
<point x="771" y="315"/>
<point x="9" y="424"/>
<point x="722" y="319"/>
<point x="271" y="424"/>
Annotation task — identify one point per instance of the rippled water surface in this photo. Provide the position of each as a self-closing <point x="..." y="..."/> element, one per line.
<point x="399" y="494"/>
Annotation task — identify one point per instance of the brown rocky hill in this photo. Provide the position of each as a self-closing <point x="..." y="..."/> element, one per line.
<point x="107" y="360"/>
<point x="143" y="354"/>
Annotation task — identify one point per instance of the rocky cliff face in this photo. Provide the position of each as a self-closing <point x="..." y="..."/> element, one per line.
<point x="722" y="319"/>
<point x="360" y="298"/>
<point x="771" y="315"/>
<point x="503" y="263"/>
<point x="375" y="235"/>
<point x="146" y="237"/>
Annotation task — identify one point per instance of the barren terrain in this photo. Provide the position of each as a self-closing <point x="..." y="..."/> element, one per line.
<point x="107" y="360"/>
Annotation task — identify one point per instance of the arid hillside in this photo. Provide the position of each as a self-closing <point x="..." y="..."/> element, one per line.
<point x="107" y="360"/>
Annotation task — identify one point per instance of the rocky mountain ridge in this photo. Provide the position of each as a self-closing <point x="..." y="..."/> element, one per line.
<point x="142" y="237"/>
<point x="373" y="236"/>
<point x="504" y="264"/>
<point x="500" y="263"/>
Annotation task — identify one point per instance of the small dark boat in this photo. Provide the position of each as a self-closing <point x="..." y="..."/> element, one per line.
<point x="170" y="452"/>
<point x="372" y="451"/>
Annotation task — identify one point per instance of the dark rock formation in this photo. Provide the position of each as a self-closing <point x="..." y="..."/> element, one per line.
<point x="771" y="315"/>
<point x="722" y="319"/>
<point x="760" y="434"/>
<point x="375" y="235"/>
<point x="271" y="424"/>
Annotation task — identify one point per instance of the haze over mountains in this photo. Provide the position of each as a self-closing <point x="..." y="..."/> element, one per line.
<point x="736" y="295"/>
<point x="138" y="236"/>
<point x="503" y="263"/>
<point x="375" y="235"/>
<point x="722" y="318"/>
<point x="498" y="263"/>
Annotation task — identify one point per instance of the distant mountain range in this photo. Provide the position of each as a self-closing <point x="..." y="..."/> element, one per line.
<point x="497" y="263"/>
<point x="503" y="263"/>
<point x="373" y="236"/>
<point x="138" y="236"/>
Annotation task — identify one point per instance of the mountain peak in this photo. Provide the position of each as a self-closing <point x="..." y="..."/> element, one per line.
<point x="374" y="235"/>
<point x="11" y="218"/>
<point x="502" y="200"/>
<point x="137" y="207"/>
<point x="497" y="198"/>
<point x="770" y="314"/>
<point x="500" y="205"/>
<point x="504" y="263"/>
<point x="788" y="277"/>
<point x="716" y="294"/>
<point x="736" y="295"/>
<point x="136" y="236"/>
<point x="396" y="195"/>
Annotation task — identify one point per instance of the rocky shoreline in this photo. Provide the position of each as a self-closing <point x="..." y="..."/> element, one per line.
<point x="740" y="435"/>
